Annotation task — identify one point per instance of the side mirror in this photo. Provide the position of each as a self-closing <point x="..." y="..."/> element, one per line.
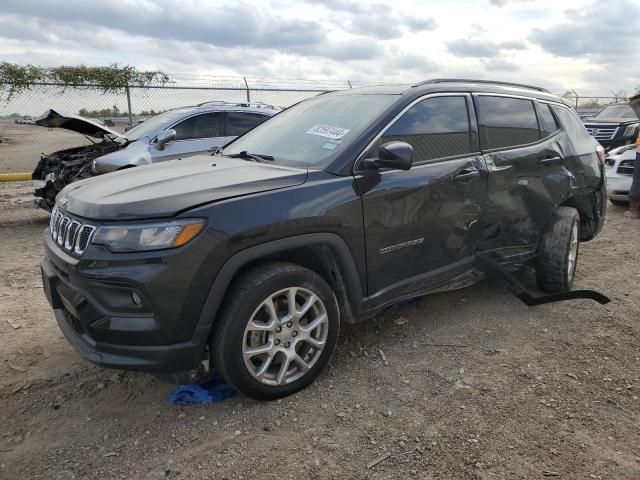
<point x="164" y="137"/>
<point x="396" y="155"/>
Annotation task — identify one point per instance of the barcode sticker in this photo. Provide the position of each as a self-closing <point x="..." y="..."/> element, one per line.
<point x="328" y="131"/>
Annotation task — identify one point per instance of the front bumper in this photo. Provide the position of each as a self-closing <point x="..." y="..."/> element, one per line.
<point x="618" y="186"/>
<point x="161" y="359"/>
<point x="94" y="307"/>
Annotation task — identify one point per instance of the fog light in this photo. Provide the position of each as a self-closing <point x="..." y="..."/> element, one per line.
<point x="136" y="298"/>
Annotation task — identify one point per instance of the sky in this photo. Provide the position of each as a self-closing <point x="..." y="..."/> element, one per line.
<point x="589" y="46"/>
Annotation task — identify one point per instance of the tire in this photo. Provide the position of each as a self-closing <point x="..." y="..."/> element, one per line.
<point x="287" y="340"/>
<point x="558" y="251"/>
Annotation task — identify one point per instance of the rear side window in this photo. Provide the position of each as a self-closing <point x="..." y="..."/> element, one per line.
<point x="241" y="122"/>
<point x="572" y="125"/>
<point x="506" y="122"/>
<point x="548" y="122"/>
<point x="435" y="128"/>
<point x="200" y="126"/>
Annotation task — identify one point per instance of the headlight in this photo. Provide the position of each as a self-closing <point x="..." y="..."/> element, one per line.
<point x="147" y="236"/>
<point x="630" y="130"/>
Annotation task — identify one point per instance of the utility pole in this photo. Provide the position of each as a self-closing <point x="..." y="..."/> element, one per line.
<point x="247" y="85"/>
<point x="126" y="89"/>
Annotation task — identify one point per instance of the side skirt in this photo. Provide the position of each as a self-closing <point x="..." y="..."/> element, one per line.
<point x="493" y="269"/>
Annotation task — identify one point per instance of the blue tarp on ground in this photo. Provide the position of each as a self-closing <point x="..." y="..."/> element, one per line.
<point x="214" y="391"/>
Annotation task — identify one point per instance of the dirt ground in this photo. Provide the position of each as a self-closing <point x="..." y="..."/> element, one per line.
<point x="470" y="384"/>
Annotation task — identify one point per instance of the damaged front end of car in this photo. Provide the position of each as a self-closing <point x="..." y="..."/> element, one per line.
<point x="58" y="169"/>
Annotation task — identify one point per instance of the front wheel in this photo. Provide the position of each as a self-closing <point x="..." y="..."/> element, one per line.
<point x="558" y="251"/>
<point x="276" y="331"/>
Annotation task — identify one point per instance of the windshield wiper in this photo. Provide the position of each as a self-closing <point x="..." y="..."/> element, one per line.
<point x="254" y="157"/>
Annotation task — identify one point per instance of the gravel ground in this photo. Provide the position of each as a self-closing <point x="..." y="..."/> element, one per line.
<point x="467" y="384"/>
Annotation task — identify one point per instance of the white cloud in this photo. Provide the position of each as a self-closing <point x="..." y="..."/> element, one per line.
<point x="570" y="44"/>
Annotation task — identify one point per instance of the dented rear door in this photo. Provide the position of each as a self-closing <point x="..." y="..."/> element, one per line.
<point x="527" y="174"/>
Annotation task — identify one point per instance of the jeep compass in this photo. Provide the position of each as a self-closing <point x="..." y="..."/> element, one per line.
<point x="327" y="213"/>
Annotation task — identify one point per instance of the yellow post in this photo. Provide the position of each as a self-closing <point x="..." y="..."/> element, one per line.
<point x="15" y="177"/>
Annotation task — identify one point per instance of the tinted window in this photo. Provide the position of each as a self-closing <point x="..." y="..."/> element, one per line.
<point x="547" y="120"/>
<point x="613" y="111"/>
<point x="200" y="126"/>
<point x="506" y="122"/>
<point x="572" y="125"/>
<point x="240" y="122"/>
<point x="435" y="128"/>
<point x="154" y="125"/>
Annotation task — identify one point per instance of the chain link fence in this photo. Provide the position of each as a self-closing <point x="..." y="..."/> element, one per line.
<point x="589" y="105"/>
<point x="22" y="142"/>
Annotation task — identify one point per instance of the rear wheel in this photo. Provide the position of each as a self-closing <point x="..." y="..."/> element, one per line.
<point x="277" y="330"/>
<point x="558" y="251"/>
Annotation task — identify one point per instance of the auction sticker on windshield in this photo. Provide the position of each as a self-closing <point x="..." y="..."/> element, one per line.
<point x="328" y="131"/>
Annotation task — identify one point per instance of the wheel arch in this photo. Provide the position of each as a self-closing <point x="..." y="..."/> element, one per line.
<point x="327" y="254"/>
<point x="591" y="207"/>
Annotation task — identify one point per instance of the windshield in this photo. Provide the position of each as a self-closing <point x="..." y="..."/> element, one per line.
<point x="310" y="133"/>
<point x="154" y="125"/>
<point x="616" y="111"/>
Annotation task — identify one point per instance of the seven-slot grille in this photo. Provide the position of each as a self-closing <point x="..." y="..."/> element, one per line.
<point x="69" y="233"/>
<point x="602" y="132"/>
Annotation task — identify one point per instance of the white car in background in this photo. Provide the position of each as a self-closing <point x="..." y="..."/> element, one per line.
<point x="619" y="172"/>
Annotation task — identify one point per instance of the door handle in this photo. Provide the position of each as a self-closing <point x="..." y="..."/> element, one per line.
<point x="466" y="174"/>
<point x="548" y="160"/>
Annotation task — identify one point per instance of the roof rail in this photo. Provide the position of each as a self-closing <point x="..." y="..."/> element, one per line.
<point x="487" y="82"/>
<point x="237" y="104"/>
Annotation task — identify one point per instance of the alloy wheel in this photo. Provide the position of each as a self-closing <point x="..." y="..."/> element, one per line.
<point x="285" y="336"/>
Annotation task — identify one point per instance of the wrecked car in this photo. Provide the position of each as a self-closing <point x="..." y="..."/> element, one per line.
<point x="329" y="213"/>
<point x="619" y="167"/>
<point x="174" y="134"/>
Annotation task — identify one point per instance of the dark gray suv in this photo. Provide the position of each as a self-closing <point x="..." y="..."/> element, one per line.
<point x="330" y="212"/>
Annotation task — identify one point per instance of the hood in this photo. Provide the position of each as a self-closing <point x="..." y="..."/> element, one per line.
<point x="163" y="189"/>
<point x="618" y="120"/>
<point x="59" y="119"/>
<point x="625" y="151"/>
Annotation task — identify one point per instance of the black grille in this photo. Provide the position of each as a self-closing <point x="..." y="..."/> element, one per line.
<point x="602" y="132"/>
<point x="70" y="233"/>
<point x="626" y="167"/>
<point x="84" y="237"/>
<point x="74" y="322"/>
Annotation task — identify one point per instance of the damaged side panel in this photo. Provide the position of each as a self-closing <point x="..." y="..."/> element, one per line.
<point x="525" y="185"/>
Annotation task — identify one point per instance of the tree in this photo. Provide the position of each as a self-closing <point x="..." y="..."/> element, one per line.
<point x="619" y="96"/>
<point x="591" y="103"/>
<point x="16" y="78"/>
